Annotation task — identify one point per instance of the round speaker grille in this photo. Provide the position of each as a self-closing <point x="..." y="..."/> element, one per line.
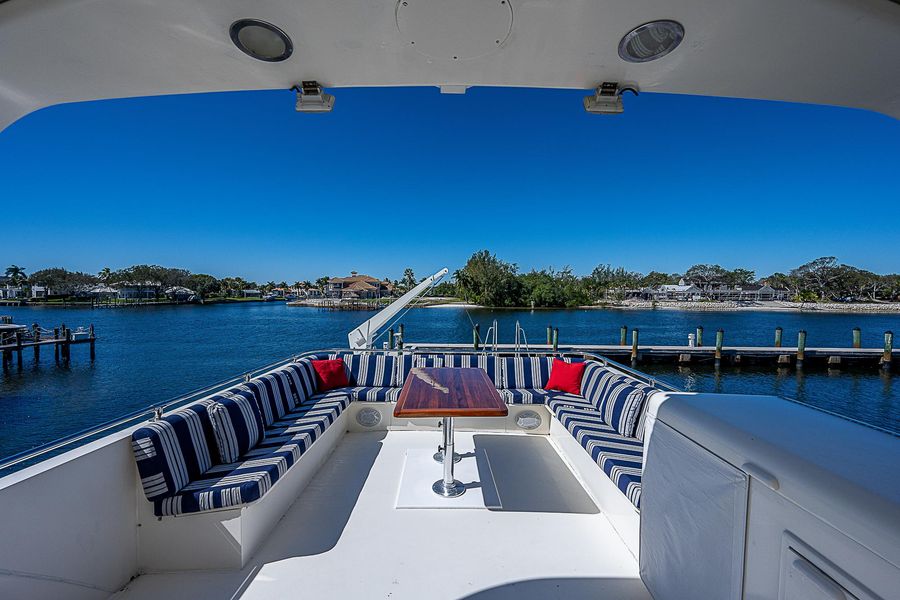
<point x="368" y="417"/>
<point x="528" y="420"/>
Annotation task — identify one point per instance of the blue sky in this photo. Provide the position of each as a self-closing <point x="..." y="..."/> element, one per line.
<point x="239" y="184"/>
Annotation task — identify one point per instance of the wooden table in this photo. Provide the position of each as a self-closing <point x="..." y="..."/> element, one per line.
<point x="449" y="393"/>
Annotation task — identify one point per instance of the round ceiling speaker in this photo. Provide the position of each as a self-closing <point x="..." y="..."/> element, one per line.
<point x="454" y="30"/>
<point x="528" y="420"/>
<point x="368" y="417"/>
<point x="650" y="41"/>
<point x="261" y="40"/>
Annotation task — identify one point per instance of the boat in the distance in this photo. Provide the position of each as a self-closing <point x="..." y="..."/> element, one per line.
<point x="540" y="472"/>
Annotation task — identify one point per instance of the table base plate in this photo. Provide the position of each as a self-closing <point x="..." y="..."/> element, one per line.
<point x="473" y="471"/>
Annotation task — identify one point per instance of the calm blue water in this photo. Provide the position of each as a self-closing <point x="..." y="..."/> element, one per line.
<point x="146" y="355"/>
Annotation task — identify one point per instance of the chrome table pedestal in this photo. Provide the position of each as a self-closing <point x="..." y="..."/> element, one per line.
<point x="448" y="487"/>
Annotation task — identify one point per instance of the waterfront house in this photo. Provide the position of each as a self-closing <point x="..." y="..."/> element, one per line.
<point x="251" y="293"/>
<point x="97" y="291"/>
<point x="683" y="291"/>
<point x="11" y="292"/>
<point x="137" y="290"/>
<point x="308" y="293"/>
<point x="358" y="286"/>
<point x="40" y="292"/>
<point x="180" y="294"/>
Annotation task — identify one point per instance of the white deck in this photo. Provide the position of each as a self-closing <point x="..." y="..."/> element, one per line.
<point x="344" y="538"/>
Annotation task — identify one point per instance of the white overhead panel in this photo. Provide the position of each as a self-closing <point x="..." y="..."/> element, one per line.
<point x="838" y="52"/>
<point x="455" y="30"/>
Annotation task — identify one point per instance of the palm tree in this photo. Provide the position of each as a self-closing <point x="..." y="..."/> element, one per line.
<point x="16" y="274"/>
<point x="104" y="274"/>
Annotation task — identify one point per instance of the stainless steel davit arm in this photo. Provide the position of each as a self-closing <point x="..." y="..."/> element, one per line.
<point x="363" y="336"/>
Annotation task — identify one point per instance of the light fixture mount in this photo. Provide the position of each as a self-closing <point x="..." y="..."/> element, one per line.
<point x="311" y="98"/>
<point x="607" y="98"/>
<point x="261" y="40"/>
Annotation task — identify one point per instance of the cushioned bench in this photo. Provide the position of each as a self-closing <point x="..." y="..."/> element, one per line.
<point x="607" y="419"/>
<point x="229" y="449"/>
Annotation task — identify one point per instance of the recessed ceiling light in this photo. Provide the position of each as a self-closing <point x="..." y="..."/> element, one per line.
<point x="261" y="40"/>
<point x="651" y="41"/>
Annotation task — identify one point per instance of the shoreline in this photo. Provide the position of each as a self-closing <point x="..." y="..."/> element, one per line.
<point x="892" y="308"/>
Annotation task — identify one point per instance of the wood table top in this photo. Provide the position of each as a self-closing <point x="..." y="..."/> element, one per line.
<point x="449" y="392"/>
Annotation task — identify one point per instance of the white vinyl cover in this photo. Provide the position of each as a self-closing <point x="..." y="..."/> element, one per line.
<point x="693" y="514"/>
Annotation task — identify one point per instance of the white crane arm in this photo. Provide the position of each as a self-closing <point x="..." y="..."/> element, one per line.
<point x="364" y="335"/>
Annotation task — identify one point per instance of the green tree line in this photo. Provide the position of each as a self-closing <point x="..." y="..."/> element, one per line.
<point x="490" y="281"/>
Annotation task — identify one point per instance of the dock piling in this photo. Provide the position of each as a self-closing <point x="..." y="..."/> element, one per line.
<point x="391" y="338"/>
<point x="623" y="335"/>
<point x="92" y="339"/>
<point x="56" y="346"/>
<point x="778" y="333"/>
<point x="634" y="346"/>
<point x="476" y="337"/>
<point x="801" y="347"/>
<point x="400" y="339"/>
<point x="888" y="349"/>
<point x="720" y="339"/>
<point x="36" y="334"/>
<point x="19" y="349"/>
<point x="700" y="336"/>
<point x="857" y="337"/>
<point x="555" y="339"/>
<point x="549" y="334"/>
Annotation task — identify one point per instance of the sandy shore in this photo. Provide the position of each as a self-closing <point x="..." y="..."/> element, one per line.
<point x="453" y="305"/>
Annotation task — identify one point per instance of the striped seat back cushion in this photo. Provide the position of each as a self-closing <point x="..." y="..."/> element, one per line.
<point x="303" y="378"/>
<point x="273" y="394"/>
<point x="407" y="362"/>
<point x="526" y="372"/>
<point x="237" y="424"/>
<point x="619" y="398"/>
<point x="174" y="450"/>
<point x="489" y="363"/>
<point x="370" y="369"/>
<point x="481" y="361"/>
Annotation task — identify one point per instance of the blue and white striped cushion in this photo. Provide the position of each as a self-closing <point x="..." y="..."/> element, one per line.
<point x="620" y="457"/>
<point x="526" y="372"/>
<point x="237" y="424"/>
<point x="303" y="377"/>
<point x="407" y="362"/>
<point x="490" y="364"/>
<point x="375" y="394"/>
<point x="174" y="450"/>
<point x="618" y="398"/>
<point x="232" y="484"/>
<point x="273" y="395"/>
<point x="370" y="370"/>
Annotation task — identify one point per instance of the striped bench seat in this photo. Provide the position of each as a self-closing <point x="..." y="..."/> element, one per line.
<point x="374" y="393"/>
<point x="233" y="484"/>
<point x="532" y="396"/>
<point x="620" y="457"/>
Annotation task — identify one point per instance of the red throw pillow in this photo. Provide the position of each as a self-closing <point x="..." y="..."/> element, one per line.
<point x="566" y="377"/>
<point x="330" y="374"/>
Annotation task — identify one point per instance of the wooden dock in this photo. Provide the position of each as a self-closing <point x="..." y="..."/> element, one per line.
<point x="831" y="358"/>
<point x="717" y="355"/>
<point x="329" y="304"/>
<point x="17" y="339"/>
